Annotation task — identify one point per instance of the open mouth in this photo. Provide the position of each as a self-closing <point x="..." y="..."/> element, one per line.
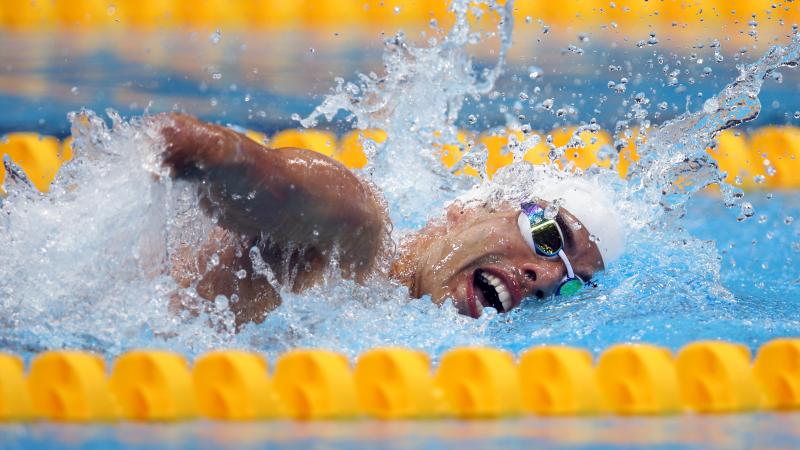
<point x="491" y="291"/>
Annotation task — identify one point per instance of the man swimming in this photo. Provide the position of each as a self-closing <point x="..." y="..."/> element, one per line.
<point x="286" y="216"/>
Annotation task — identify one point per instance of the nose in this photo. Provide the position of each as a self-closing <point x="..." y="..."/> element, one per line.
<point x="541" y="278"/>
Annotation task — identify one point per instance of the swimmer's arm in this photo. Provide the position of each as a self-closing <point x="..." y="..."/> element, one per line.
<point x="289" y="195"/>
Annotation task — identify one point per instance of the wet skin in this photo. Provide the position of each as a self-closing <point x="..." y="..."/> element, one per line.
<point x="443" y="259"/>
<point x="301" y="209"/>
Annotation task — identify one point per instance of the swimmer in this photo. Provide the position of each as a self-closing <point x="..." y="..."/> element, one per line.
<point x="302" y="211"/>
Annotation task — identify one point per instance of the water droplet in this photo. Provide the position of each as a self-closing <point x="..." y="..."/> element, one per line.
<point x="747" y="210"/>
<point x="711" y="105"/>
<point x="523" y="96"/>
<point x="762" y="218"/>
<point x="788" y="220"/>
<point x="215" y="37"/>
<point x="216" y="76"/>
<point x="396" y="10"/>
<point x="534" y="72"/>
<point x="74" y="90"/>
<point x="241" y="274"/>
<point x="221" y="302"/>
<point x="551" y="211"/>
<point x="574" y="49"/>
<point x="234" y="298"/>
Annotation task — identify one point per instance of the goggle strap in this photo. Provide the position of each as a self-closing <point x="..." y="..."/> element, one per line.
<point x="563" y="257"/>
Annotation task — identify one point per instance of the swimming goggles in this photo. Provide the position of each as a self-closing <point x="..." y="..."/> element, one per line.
<point x="545" y="238"/>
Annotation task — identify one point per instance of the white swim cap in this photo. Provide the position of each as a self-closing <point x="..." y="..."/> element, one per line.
<point x="591" y="204"/>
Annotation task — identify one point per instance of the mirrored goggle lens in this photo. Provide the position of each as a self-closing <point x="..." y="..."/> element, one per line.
<point x="547" y="238"/>
<point x="570" y="287"/>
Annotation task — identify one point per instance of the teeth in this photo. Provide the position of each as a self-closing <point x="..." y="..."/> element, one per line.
<point x="505" y="298"/>
<point x="501" y="289"/>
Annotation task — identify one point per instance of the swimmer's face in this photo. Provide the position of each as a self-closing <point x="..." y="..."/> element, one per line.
<point x="477" y="247"/>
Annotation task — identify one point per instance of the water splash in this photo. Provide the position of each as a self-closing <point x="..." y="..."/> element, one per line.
<point x="80" y="264"/>
<point x="417" y="101"/>
<point x="86" y="266"/>
<point x="674" y="163"/>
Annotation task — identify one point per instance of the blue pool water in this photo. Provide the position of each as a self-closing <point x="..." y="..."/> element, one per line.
<point x="776" y="431"/>
<point x="264" y="78"/>
<point x="77" y="267"/>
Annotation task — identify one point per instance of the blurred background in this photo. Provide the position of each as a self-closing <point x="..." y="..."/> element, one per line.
<point x="256" y="62"/>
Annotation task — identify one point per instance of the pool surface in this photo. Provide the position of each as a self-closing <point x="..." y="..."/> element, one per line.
<point x="774" y="431"/>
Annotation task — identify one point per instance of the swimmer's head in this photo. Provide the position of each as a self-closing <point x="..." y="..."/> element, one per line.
<point x="592" y="206"/>
<point x="478" y="256"/>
